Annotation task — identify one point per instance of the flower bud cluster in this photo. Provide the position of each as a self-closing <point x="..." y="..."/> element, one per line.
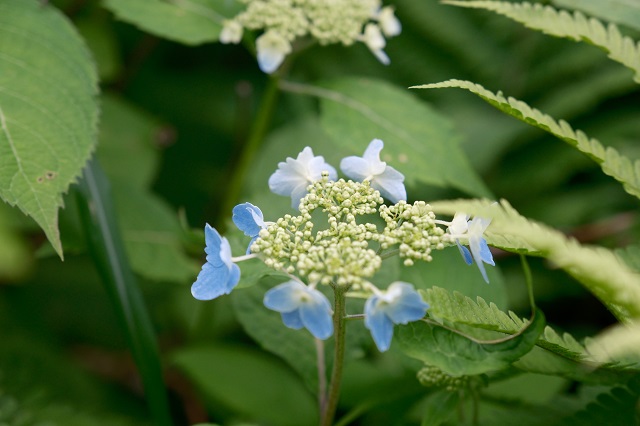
<point x="413" y="227"/>
<point x="431" y="376"/>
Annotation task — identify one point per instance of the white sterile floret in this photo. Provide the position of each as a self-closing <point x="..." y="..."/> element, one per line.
<point x="388" y="22"/>
<point x="374" y="40"/>
<point x="231" y="32"/>
<point x="272" y="48"/>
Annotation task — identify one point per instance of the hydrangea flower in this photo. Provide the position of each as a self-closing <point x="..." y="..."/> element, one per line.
<point x="373" y="39"/>
<point x="400" y="304"/>
<point x="384" y="178"/>
<point x="249" y="219"/>
<point x="294" y="176"/>
<point x="472" y="230"/>
<point x="231" y="32"/>
<point x="301" y="306"/>
<point x="219" y="275"/>
<point x="272" y="48"/>
<point x="389" y="24"/>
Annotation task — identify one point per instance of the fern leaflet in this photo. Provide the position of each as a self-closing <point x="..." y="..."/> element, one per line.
<point x="560" y="23"/>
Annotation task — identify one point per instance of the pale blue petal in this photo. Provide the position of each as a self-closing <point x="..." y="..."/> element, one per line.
<point x="211" y="282"/>
<point x="298" y="194"/>
<point x="466" y="255"/>
<point x="283" y="297"/>
<point x="485" y="253"/>
<point x="379" y="324"/>
<point x="356" y="168"/>
<point x="213" y="245"/>
<point x="284" y="180"/>
<point x="234" y="278"/>
<point x="390" y="183"/>
<point x="317" y="165"/>
<point x="248" y="218"/>
<point x="475" y="247"/>
<point x="372" y="153"/>
<point x="316" y="316"/>
<point x="408" y="307"/>
<point x="292" y="319"/>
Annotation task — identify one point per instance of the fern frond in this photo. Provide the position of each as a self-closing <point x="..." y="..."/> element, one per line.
<point x="460" y="309"/>
<point x="560" y="23"/>
<point x="610" y="160"/>
<point x="600" y="270"/>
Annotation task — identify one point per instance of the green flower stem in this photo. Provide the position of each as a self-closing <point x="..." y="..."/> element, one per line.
<point x="339" y="327"/>
<point x="250" y="149"/>
<point x="107" y="249"/>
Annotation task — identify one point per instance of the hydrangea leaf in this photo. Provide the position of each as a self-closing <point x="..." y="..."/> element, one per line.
<point x="458" y="355"/>
<point x="185" y="21"/>
<point x="48" y="110"/>
<point x="418" y="141"/>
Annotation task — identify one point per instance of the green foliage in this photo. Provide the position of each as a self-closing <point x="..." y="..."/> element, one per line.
<point x="249" y="382"/>
<point x="563" y="24"/>
<point x="185" y="21"/>
<point x="612" y="162"/>
<point x="598" y="269"/>
<point x="48" y="110"/>
<point x="620" y="11"/>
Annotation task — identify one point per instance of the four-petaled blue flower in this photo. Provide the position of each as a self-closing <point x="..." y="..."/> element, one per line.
<point x="400" y="304"/>
<point x="301" y="306"/>
<point x="472" y="230"/>
<point x="384" y="178"/>
<point x="219" y="275"/>
<point x="294" y="176"/>
<point x="249" y="219"/>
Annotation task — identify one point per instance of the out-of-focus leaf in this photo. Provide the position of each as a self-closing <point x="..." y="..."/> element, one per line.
<point x="419" y="142"/>
<point x="101" y="40"/>
<point x="620" y="343"/>
<point x="250" y="383"/>
<point x="439" y="407"/>
<point x="15" y="256"/>
<point x="457" y="355"/>
<point x="48" y="110"/>
<point x="625" y="12"/>
<point x="184" y="21"/>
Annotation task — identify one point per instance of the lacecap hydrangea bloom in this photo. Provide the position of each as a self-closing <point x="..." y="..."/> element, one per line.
<point x="346" y="252"/>
<point x="282" y="22"/>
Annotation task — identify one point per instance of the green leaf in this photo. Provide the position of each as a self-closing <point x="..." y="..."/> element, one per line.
<point x="560" y="23"/>
<point x="460" y="309"/>
<point x="48" y="110"/>
<point x="458" y="355"/>
<point x="439" y="407"/>
<point x="250" y="383"/>
<point x="625" y="12"/>
<point x="185" y="21"/>
<point x="419" y="142"/>
<point x="598" y="269"/>
<point x="620" y="343"/>
<point x="612" y="163"/>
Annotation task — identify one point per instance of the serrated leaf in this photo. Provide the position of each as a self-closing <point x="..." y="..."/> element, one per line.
<point x="460" y="309"/>
<point x="458" y="355"/>
<point x="612" y="163"/>
<point x="48" y="110"/>
<point x="185" y="21"/>
<point x="560" y="23"/>
<point x="620" y="343"/>
<point x="598" y="269"/>
<point x="625" y="12"/>
<point x="250" y="383"/>
<point x="419" y="142"/>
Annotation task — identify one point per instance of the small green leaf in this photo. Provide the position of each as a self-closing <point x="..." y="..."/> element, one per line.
<point x="419" y="142"/>
<point x="250" y="383"/>
<point x="458" y="355"/>
<point x="185" y="21"/>
<point x="48" y="110"/>
<point x="625" y="12"/>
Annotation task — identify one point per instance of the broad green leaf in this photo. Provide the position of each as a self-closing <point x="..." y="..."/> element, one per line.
<point x="625" y="12"/>
<point x="185" y="21"/>
<point x="560" y="23"/>
<point x="600" y="270"/>
<point x="460" y="309"/>
<point x="439" y="407"/>
<point x="458" y="355"/>
<point x="48" y="110"/>
<point x="250" y="383"/>
<point x="419" y="142"/>
<point x="620" y="343"/>
<point x="612" y="163"/>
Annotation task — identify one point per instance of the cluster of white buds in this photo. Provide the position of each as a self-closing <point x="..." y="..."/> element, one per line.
<point x="326" y="21"/>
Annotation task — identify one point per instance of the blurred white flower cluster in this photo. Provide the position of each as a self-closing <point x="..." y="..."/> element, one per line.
<point x="327" y="21"/>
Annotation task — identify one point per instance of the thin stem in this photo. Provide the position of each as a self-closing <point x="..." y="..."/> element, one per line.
<point x="250" y="149"/>
<point x="322" y="375"/>
<point x="339" y="326"/>
<point x="529" y="280"/>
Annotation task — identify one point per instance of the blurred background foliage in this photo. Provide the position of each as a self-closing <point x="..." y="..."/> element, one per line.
<point x="174" y="121"/>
